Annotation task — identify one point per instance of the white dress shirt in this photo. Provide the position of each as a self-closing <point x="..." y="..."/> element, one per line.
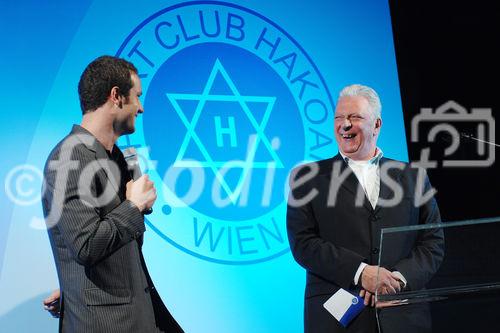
<point x="368" y="175"/>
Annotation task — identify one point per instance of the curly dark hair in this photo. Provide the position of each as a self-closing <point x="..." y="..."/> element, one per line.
<point x="100" y="76"/>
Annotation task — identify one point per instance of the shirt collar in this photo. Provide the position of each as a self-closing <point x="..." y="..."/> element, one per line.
<point x="372" y="161"/>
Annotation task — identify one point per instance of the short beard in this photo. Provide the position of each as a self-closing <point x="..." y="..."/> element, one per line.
<point x="123" y="127"/>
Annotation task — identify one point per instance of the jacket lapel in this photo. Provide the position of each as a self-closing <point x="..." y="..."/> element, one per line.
<point x="385" y="191"/>
<point x="112" y="172"/>
<point x="350" y="183"/>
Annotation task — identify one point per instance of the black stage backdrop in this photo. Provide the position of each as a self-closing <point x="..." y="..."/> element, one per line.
<point x="448" y="50"/>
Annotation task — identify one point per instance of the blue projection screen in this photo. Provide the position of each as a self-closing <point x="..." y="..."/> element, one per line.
<point x="235" y="95"/>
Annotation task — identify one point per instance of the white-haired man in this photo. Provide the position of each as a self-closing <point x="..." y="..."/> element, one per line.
<point x="336" y="210"/>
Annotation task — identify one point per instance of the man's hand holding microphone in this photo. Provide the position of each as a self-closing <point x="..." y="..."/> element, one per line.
<point x="142" y="193"/>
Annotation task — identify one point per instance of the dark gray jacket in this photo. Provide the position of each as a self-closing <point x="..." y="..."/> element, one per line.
<point x="96" y="237"/>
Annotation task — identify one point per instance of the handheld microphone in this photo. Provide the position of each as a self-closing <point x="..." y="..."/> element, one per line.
<point x="132" y="160"/>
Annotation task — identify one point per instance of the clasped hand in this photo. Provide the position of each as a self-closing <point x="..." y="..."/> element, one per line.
<point x="386" y="283"/>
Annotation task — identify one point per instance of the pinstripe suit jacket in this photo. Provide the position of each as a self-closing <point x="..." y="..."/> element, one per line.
<point x="96" y="238"/>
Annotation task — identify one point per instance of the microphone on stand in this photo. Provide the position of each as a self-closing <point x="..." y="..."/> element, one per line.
<point x="132" y="160"/>
<point x="471" y="137"/>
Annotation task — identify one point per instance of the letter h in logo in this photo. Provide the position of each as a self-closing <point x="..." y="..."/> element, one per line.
<point x="220" y="131"/>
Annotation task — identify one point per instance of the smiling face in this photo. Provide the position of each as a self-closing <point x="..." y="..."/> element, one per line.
<point x="356" y="128"/>
<point x="130" y="107"/>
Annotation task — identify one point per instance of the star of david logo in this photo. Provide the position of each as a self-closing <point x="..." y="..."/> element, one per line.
<point x="255" y="140"/>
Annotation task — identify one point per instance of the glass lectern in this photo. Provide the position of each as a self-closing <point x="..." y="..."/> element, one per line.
<point x="453" y="290"/>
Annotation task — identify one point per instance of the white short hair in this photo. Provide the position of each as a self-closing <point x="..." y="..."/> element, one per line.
<point x="366" y="92"/>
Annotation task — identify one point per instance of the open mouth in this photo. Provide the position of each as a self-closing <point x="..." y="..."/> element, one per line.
<point x="348" y="136"/>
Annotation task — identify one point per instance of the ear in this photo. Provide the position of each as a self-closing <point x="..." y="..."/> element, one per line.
<point x="115" y="97"/>
<point x="378" y="125"/>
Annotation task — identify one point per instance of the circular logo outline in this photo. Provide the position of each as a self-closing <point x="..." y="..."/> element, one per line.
<point x="138" y="28"/>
